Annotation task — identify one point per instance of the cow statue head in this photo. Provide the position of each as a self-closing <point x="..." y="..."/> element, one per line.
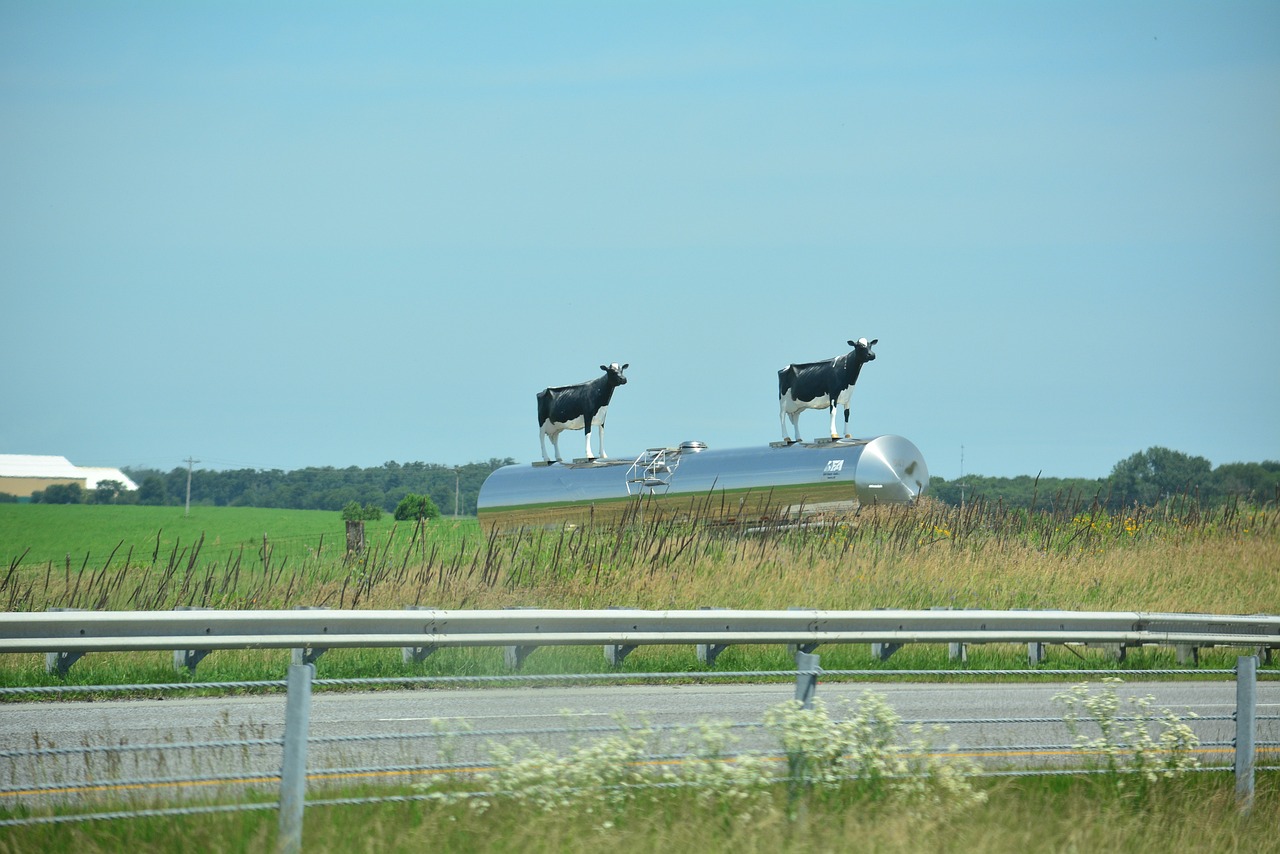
<point x="613" y="373"/>
<point x="862" y="349"/>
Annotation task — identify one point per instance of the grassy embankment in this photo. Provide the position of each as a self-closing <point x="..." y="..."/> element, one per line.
<point x="1020" y="815"/>
<point x="1181" y="558"/>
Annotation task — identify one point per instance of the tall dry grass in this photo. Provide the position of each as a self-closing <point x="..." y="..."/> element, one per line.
<point x="1225" y="560"/>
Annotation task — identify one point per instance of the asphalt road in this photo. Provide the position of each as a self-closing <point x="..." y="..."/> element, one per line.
<point x="391" y="734"/>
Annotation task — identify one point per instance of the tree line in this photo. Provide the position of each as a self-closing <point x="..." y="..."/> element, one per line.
<point x="317" y="488"/>
<point x="1147" y="478"/>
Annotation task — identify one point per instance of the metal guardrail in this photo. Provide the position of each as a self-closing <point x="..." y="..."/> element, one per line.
<point x="86" y="631"/>
<point x="418" y="631"/>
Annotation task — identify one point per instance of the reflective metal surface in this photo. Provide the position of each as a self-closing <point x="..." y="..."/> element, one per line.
<point x="769" y="481"/>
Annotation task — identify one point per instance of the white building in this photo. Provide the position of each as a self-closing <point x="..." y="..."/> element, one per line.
<point x="23" y="474"/>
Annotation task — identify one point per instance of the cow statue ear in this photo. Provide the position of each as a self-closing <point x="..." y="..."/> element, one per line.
<point x="627" y="365"/>
<point x="604" y="368"/>
<point x="853" y="343"/>
<point x="874" y="342"/>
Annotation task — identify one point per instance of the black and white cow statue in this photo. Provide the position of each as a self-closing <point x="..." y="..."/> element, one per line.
<point x="577" y="407"/>
<point x="819" y="385"/>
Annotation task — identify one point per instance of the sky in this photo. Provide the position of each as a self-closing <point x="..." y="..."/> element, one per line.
<point x="330" y="234"/>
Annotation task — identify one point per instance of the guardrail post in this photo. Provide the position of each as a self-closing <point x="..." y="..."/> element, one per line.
<point x="1035" y="653"/>
<point x="513" y="656"/>
<point x="58" y="663"/>
<point x="708" y="652"/>
<point x="1246" y="727"/>
<point x="794" y="648"/>
<point x="806" y="682"/>
<point x="882" y="651"/>
<point x="293" y="766"/>
<point x="416" y="654"/>
<point x="614" y="653"/>
<point x="188" y="659"/>
<point x="1188" y="654"/>
<point x="308" y="655"/>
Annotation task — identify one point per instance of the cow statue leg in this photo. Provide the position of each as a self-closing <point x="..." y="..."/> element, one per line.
<point x="555" y="445"/>
<point x="783" y="415"/>
<point x="834" y="434"/>
<point x="586" y="428"/>
<point x="603" y="455"/>
<point x="847" y="434"/>
<point x="542" y="440"/>
<point x="794" y="415"/>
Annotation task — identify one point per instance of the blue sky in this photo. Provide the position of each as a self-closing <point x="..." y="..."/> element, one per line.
<point x="282" y="235"/>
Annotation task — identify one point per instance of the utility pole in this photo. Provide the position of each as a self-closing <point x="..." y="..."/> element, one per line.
<point x="457" y="479"/>
<point x="962" y="483"/>
<point x="190" y="462"/>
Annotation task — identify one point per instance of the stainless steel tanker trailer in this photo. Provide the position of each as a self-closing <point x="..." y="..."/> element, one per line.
<point x="772" y="482"/>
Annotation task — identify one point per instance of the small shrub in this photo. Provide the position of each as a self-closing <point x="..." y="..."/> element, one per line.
<point x="61" y="493"/>
<point x="862" y="750"/>
<point x="414" y="506"/>
<point x="1134" y="756"/>
<point x="605" y="776"/>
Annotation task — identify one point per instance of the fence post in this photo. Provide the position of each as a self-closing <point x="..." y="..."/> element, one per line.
<point x="293" y="767"/>
<point x="1246" y="727"/>
<point x="355" y="537"/>
<point x="806" y="683"/>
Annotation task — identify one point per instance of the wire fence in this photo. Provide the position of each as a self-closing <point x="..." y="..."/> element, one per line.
<point x="284" y="766"/>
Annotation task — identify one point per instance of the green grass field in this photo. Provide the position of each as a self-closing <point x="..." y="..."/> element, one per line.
<point x="86" y="535"/>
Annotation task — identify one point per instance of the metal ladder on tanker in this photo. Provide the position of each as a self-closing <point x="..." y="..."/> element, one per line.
<point x="652" y="470"/>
